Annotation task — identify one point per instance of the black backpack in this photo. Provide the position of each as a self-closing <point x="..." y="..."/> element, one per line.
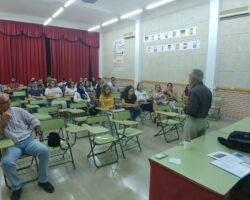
<point x="54" y="139"/>
<point x="238" y="140"/>
<point x="92" y="109"/>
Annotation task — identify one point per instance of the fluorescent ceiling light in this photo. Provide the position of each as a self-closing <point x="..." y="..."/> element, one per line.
<point x="47" y="21"/>
<point x="159" y="3"/>
<point x="110" y="22"/>
<point x="94" y="28"/>
<point x="68" y="3"/>
<point x="135" y="12"/>
<point x="57" y="12"/>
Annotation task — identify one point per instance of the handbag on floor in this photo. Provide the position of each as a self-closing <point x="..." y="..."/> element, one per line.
<point x="54" y="140"/>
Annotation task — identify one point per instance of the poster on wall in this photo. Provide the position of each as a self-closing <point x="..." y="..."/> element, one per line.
<point x="179" y="46"/>
<point x="119" y="53"/>
<point x="184" y="32"/>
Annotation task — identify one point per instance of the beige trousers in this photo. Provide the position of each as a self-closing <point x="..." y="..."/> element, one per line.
<point x="194" y="127"/>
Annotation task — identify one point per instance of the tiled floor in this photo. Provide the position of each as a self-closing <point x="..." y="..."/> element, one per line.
<point x="127" y="180"/>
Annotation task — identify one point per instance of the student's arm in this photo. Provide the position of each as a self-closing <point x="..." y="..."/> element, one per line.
<point x="124" y="104"/>
<point x="28" y="118"/>
<point x="136" y="104"/>
<point x="47" y="93"/>
<point x="77" y="97"/>
<point x="102" y="102"/>
<point x="138" y="96"/>
<point x="5" y="118"/>
<point x="60" y="92"/>
<point x="88" y="98"/>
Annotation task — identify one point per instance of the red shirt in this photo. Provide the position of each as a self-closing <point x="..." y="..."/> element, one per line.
<point x="13" y="85"/>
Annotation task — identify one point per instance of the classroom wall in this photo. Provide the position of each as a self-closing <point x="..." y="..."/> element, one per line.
<point x="111" y="34"/>
<point x="233" y="61"/>
<point x="175" y="66"/>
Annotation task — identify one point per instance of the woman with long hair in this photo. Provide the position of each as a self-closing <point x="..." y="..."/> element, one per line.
<point x="169" y="92"/>
<point x="88" y="87"/>
<point x="99" y="86"/>
<point x="158" y="95"/>
<point x="129" y="101"/>
<point x="70" y="89"/>
<point x="186" y="93"/>
<point x="142" y="96"/>
<point x="106" y="98"/>
<point x="54" y="91"/>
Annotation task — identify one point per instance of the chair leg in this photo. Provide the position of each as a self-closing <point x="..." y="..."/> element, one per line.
<point x="119" y="139"/>
<point x="72" y="158"/>
<point x="138" y="143"/>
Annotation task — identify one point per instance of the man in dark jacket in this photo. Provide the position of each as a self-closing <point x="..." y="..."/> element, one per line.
<point x="199" y="104"/>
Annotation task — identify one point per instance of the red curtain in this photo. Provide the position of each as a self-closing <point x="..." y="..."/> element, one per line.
<point x="69" y="59"/>
<point x="94" y="55"/>
<point x="23" y="51"/>
<point x="22" y="57"/>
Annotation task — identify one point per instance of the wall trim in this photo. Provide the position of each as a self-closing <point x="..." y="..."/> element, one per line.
<point x="242" y="89"/>
<point x="183" y="84"/>
<point x="223" y="88"/>
<point x="122" y="79"/>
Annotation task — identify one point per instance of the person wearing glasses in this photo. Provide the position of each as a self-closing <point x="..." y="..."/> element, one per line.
<point x="17" y="124"/>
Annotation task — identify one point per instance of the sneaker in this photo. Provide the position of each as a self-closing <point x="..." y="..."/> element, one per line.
<point x="47" y="187"/>
<point x="16" y="194"/>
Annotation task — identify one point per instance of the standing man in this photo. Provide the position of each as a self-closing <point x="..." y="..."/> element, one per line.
<point x="199" y="103"/>
<point x="17" y="124"/>
<point x="113" y="86"/>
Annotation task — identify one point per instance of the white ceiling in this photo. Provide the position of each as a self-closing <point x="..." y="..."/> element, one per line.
<point x="79" y="15"/>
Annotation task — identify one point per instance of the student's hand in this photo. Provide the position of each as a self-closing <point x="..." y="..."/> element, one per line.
<point x="34" y="138"/>
<point x="6" y="116"/>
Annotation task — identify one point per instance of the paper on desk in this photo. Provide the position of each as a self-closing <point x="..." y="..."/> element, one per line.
<point x="246" y="159"/>
<point x="238" y="169"/>
<point x="176" y="161"/>
<point x="226" y="157"/>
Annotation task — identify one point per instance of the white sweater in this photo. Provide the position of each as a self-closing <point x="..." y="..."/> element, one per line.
<point x="77" y="97"/>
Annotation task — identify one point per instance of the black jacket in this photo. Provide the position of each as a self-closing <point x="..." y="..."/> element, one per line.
<point x="199" y="101"/>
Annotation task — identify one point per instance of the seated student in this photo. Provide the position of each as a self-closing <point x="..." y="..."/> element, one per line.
<point x="17" y="124"/>
<point x="99" y="86"/>
<point x="79" y="82"/>
<point x="46" y="84"/>
<point x="186" y="93"/>
<point x="113" y="86"/>
<point x="106" y="98"/>
<point x="88" y="88"/>
<point x="54" y="91"/>
<point x="81" y="94"/>
<point x="70" y="89"/>
<point x="34" y="92"/>
<point x="13" y="85"/>
<point x="63" y="83"/>
<point x="93" y="82"/>
<point x="129" y="101"/>
<point x="30" y="84"/>
<point x="40" y="85"/>
<point x="158" y="95"/>
<point x="169" y="92"/>
<point x="142" y="96"/>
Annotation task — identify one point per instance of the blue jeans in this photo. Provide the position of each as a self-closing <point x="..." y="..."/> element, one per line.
<point x="134" y="111"/>
<point x="30" y="147"/>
